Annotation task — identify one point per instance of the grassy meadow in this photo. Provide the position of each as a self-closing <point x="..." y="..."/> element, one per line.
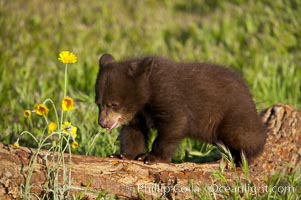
<point x="259" y="39"/>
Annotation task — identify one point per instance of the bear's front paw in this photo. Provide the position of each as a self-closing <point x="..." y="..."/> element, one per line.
<point x="116" y="155"/>
<point x="147" y="158"/>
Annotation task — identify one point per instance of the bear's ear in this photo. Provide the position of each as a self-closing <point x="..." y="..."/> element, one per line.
<point x="148" y="64"/>
<point x="143" y="67"/>
<point x="106" y="59"/>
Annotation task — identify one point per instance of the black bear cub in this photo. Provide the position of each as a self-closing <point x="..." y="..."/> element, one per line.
<point x="198" y="100"/>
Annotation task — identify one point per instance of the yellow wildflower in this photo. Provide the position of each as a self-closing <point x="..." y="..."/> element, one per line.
<point x="67" y="104"/>
<point x="74" y="145"/>
<point x="69" y="129"/>
<point x="27" y="113"/>
<point x="52" y="127"/>
<point x="41" y="109"/>
<point x="16" y="144"/>
<point x="67" y="57"/>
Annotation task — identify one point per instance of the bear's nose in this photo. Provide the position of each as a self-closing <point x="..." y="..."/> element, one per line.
<point x="103" y="123"/>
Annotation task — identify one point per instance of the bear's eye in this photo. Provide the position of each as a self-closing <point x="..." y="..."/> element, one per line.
<point x="113" y="105"/>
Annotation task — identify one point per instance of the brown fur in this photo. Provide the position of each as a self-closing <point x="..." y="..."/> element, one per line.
<point x="197" y="100"/>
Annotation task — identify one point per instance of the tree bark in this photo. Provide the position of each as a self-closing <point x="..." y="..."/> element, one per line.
<point x="135" y="180"/>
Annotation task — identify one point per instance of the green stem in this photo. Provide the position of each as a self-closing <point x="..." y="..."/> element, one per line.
<point x="30" y="169"/>
<point x="64" y="164"/>
<point x="65" y="88"/>
<point x="29" y="174"/>
<point x="46" y="119"/>
<point x="65" y="93"/>
<point x="70" y="180"/>
<point x="31" y="124"/>
<point x="29" y="133"/>
<point x="32" y="161"/>
<point x="62" y="116"/>
<point x="54" y="108"/>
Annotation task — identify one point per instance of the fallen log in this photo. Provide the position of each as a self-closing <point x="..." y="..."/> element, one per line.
<point x="135" y="180"/>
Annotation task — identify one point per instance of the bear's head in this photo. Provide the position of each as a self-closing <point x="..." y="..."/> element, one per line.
<point x="121" y="90"/>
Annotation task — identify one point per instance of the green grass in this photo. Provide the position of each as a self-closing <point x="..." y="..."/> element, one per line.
<point x="260" y="39"/>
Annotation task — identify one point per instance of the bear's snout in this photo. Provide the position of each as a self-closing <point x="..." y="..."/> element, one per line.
<point x="103" y="123"/>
